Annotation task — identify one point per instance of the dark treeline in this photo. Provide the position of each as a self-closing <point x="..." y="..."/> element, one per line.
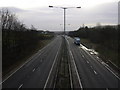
<point x="16" y="45"/>
<point x="17" y="40"/>
<point x="106" y="38"/>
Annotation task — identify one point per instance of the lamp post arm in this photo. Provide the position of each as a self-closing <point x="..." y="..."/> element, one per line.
<point x="64" y="8"/>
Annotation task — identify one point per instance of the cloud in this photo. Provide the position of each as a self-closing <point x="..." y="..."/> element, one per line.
<point x="14" y="9"/>
<point x="119" y="12"/>
<point x="50" y="18"/>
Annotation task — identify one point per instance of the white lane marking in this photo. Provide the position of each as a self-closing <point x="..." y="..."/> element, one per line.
<point x="112" y="72"/>
<point x="95" y="72"/>
<point x="104" y="65"/>
<point x="87" y="62"/>
<point x="75" y="67"/>
<point x="97" y="57"/>
<point x="33" y="69"/>
<point x="70" y="77"/>
<point x="51" y="69"/>
<point x="107" y="89"/>
<point x="35" y="55"/>
<point x="20" y="86"/>
<point x="83" y="56"/>
<point x="76" y="71"/>
<point x="113" y="64"/>
<point x="91" y="67"/>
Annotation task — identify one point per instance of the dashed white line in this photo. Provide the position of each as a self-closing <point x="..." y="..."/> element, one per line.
<point x="95" y="72"/>
<point x="106" y="88"/>
<point x="91" y="67"/>
<point x="87" y="62"/>
<point x="75" y="67"/>
<point x="20" y="86"/>
<point x="33" y="69"/>
<point x="35" y="55"/>
<point x="51" y="69"/>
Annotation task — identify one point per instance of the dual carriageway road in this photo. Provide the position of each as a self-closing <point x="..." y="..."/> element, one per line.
<point x="41" y="70"/>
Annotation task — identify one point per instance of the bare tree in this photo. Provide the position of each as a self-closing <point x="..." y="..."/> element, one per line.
<point x="33" y="28"/>
<point x="4" y="16"/>
<point x="9" y="21"/>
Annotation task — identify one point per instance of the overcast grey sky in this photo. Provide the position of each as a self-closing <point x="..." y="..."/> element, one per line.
<point x="37" y="13"/>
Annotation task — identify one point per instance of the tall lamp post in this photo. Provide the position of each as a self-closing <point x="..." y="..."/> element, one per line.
<point x="64" y="8"/>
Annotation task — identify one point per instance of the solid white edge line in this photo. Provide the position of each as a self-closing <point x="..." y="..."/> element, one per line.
<point x="55" y="80"/>
<point x="27" y="61"/>
<point x="75" y="67"/>
<point x="76" y="71"/>
<point x="112" y="72"/>
<point x="114" y="64"/>
<point x="70" y="77"/>
<point x="51" y="69"/>
<point x="103" y="65"/>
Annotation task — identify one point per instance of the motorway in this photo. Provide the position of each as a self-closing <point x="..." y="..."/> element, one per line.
<point x="92" y="73"/>
<point x="34" y="73"/>
<point x="40" y="70"/>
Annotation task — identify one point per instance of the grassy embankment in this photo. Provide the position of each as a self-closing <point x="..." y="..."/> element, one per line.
<point x="18" y="41"/>
<point x="105" y="53"/>
<point x="25" y="55"/>
<point x="104" y="39"/>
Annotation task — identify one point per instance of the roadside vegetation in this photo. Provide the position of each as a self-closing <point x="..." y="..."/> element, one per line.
<point x="18" y="41"/>
<point x="104" y="39"/>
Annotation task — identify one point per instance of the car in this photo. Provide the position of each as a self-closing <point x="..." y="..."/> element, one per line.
<point x="77" y="40"/>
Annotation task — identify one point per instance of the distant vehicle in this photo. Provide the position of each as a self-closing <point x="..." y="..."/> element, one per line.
<point x="77" y="40"/>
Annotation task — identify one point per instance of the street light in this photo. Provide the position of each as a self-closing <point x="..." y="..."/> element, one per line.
<point x="64" y="8"/>
<point x="78" y="7"/>
<point x="50" y="6"/>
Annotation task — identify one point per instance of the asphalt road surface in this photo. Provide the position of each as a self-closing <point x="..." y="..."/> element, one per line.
<point x="38" y="71"/>
<point x="92" y="73"/>
<point x="34" y="74"/>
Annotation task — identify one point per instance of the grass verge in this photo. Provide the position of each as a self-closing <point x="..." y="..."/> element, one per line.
<point x="108" y="55"/>
<point x="12" y="68"/>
